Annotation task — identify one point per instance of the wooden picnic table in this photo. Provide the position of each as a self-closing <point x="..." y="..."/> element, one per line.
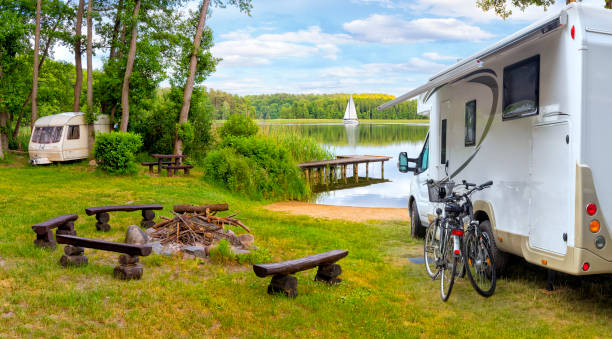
<point x="161" y="157"/>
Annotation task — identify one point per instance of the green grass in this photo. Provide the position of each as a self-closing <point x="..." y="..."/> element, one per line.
<point x="382" y="294"/>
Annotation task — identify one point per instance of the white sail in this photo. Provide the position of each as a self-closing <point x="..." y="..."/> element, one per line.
<point x="350" y="115"/>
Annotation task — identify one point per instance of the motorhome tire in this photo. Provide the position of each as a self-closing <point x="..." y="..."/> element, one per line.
<point x="500" y="258"/>
<point x="416" y="229"/>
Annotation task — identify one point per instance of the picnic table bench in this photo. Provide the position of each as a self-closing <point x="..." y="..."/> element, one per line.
<point x="152" y="164"/>
<point x="103" y="217"/>
<point x="283" y="282"/>
<point x="165" y="160"/>
<point x="44" y="230"/>
<point x="175" y="168"/>
<point x="128" y="267"/>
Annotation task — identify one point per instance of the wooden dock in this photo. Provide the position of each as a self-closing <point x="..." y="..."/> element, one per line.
<point x="326" y="171"/>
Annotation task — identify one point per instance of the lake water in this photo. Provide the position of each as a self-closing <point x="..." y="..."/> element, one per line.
<point x="387" y="139"/>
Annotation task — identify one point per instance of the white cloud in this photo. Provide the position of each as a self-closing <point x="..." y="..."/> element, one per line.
<point x="437" y="57"/>
<point x="393" y="29"/>
<point x="242" y="48"/>
<point x="383" y="70"/>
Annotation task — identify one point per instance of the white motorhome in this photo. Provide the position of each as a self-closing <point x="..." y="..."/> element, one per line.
<point x="533" y="113"/>
<point x="62" y="137"/>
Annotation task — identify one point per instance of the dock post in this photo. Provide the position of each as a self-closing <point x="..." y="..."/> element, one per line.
<point x="367" y="170"/>
<point x="382" y="170"/>
<point x="356" y="172"/>
<point x="307" y="175"/>
<point x="344" y="173"/>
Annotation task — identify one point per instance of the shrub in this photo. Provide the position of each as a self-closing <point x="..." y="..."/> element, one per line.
<point x="114" y="152"/>
<point x="238" y="125"/>
<point x="257" y="167"/>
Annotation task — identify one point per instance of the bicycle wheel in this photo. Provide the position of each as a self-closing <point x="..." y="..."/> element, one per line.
<point x="431" y="249"/>
<point x="480" y="264"/>
<point x="448" y="268"/>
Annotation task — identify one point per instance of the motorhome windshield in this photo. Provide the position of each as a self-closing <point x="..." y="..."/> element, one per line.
<point x="47" y="135"/>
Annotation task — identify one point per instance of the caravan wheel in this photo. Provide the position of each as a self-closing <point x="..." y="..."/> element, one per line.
<point x="416" y="229"/>
<point x="500" y="258"/>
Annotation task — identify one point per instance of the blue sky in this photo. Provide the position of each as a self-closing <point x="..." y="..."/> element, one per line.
<point x="350" y="46"/>
<point x="346" y="46"/>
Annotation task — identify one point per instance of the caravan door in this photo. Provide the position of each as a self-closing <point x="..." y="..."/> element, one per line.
<point x="549" y="215"/>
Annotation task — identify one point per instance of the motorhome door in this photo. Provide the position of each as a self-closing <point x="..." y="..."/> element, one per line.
<point x="549" y="215"/>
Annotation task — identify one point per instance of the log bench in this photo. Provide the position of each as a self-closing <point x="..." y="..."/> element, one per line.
<point x="103" y="217"/>
<point x="282" y="280"/>
<point x="44" y="230"/>
<point x="128" y="267"/>
<point x="176" y="168"/>
<point x="152" y="164"/>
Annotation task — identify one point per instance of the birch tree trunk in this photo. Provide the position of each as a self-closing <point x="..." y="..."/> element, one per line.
<point x="35" y="66"/>
<point x="193" y="63"/>
<point x="78" y="84"/>
<point x="125" y="90"/>
<point x="90" y="126"/>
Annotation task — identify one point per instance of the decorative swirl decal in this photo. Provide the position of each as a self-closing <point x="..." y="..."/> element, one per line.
<point x="490" y="82"/>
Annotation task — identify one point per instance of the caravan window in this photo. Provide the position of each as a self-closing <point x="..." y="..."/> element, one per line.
<point x="470" y="123"/>
<point x="522" y="88"/>
<point x="47" y="135"/>
<point x="73" y="132"/>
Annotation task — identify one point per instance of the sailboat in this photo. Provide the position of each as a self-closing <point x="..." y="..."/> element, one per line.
<point x="350" y="115"/>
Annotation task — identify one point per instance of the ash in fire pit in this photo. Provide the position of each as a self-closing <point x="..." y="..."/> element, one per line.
<point x="196" y="229"/>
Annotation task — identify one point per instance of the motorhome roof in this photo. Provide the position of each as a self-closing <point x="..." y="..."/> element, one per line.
<point x="57" y="119"/>
<point x="461" y="68"/>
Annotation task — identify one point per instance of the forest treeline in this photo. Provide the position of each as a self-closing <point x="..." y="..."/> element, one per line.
<point x="308" y="106"/>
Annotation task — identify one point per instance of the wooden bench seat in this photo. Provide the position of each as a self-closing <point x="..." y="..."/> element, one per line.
<point x="128" y="267"/>
<point x="103" y="217"/>
<point x="152" y="164"/>
<point x="283" y="282"/>
<point x="175" y="168"/>
<point x="44" y="230"/>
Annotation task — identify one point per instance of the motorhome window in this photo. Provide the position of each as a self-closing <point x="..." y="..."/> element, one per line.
<point x="425" y="156"/>
<point x="47" y="135"/>
<point x="470" y="123"/>
<point x="443" y="143"/>
<point x="521" y="88"/>
<point x="73" y="132"/>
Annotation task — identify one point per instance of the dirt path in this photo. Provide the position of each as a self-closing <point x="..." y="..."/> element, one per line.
<point x="357" y="214"/>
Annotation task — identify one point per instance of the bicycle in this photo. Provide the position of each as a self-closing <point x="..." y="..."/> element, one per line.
<point x="443" y="239"/>
<point x="469" y="254"/>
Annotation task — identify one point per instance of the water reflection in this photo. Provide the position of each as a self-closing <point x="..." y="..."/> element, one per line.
<point x="372" y="139"/>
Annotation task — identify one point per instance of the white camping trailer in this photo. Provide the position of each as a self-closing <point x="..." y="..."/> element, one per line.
<point x="533" y="113"/>
<point x="62" y="137"/>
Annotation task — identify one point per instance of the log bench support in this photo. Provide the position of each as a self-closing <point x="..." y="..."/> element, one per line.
<point x="73" y="256"/>
<point x="102" y="216"/>
<point x="285" y="283"/>
<point x="44" y="230"/>
<point x="128" y="268"/>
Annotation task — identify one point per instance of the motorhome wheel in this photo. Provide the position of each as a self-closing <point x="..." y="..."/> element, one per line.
<point x="416" y="229"/>
<point x="500" y="258"/>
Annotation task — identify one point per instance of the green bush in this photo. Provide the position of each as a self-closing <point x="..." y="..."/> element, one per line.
<point x="115" y="152"/>
<point x="238" y="125"/>
<point x="257" y="167"/>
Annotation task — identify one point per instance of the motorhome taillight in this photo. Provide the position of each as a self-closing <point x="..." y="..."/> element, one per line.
<point x="591" y="209"/>
<point x="594" y="226"/>
<point x="457" y="232"/>
<point x="573" y="32"/>
<point x="586" y="266"/>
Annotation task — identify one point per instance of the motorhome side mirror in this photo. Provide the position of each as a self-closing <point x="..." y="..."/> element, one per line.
<point x="403" y="163"/>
